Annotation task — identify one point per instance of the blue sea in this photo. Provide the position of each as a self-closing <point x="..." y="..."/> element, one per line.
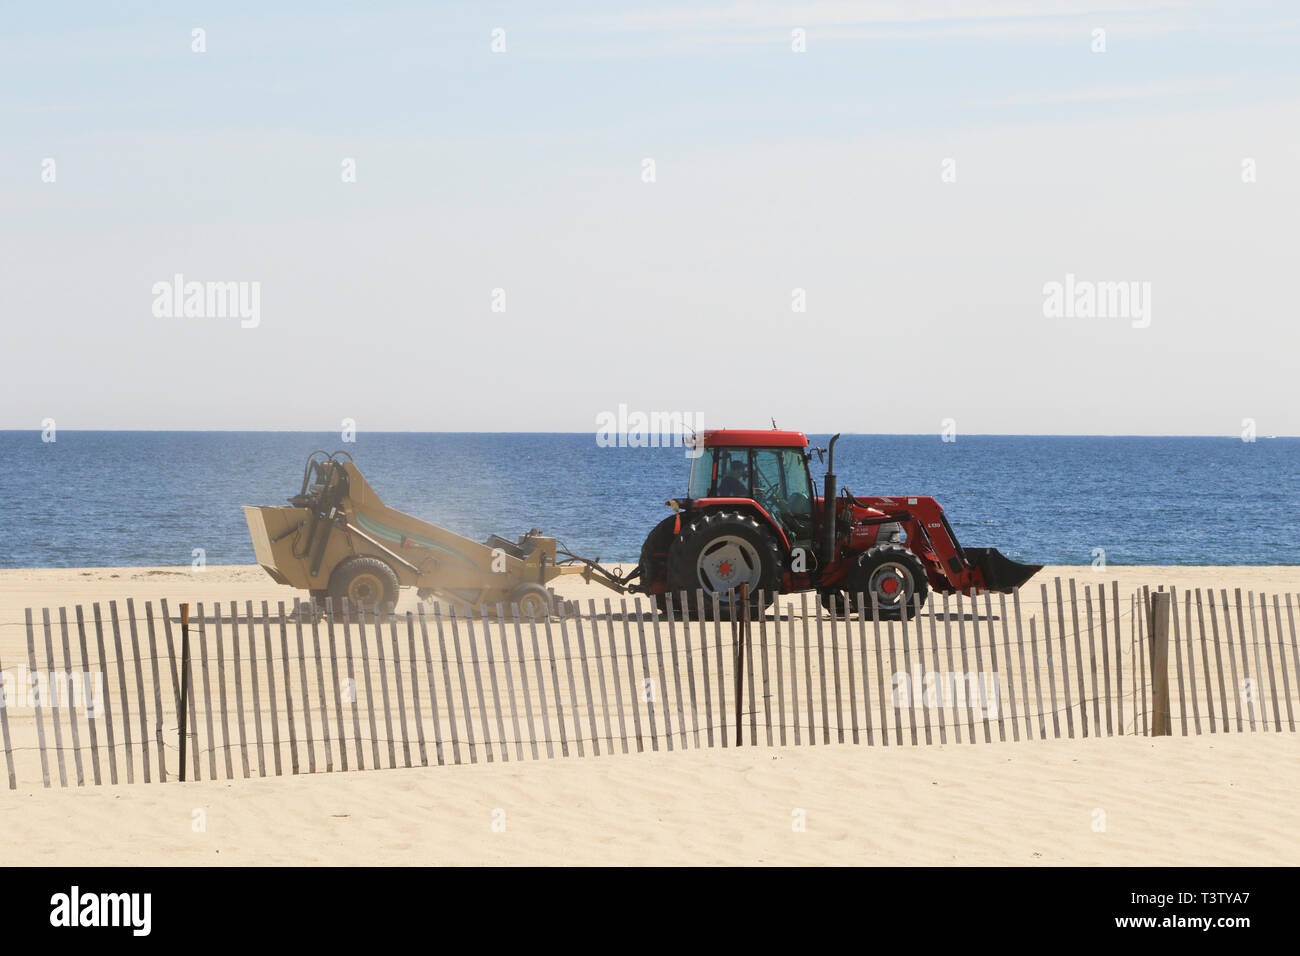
<point x="93" y="499"/>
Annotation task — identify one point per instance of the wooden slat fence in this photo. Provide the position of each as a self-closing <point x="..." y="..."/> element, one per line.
<point x="275" y="691"/>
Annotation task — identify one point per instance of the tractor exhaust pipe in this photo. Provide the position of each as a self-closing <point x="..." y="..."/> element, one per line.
<point x="829" y="491"/>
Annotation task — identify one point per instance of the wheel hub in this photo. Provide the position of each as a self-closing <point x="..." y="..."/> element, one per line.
<point x="728" y="562"/>
<point x="892" y="585"/>
<point x="365" y="590"/>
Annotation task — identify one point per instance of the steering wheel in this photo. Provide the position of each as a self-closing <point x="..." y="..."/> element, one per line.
<point x="768" y="495"/>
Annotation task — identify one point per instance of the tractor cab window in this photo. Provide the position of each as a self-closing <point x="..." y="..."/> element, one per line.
<point x="733" y="473"/>
<point x="700" y="484"/>
<point x="720" y="473"/>
<point x="781" y="486"/>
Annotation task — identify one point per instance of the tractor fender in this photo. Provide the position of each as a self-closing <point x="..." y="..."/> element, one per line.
<point x="746" y="504"/>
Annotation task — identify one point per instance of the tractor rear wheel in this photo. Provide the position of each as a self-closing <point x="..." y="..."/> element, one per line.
<point x="717" y="553"/>
<point x="897" y="579"/>
<point x="654" y="552"/>
<point x="363" y="582"/>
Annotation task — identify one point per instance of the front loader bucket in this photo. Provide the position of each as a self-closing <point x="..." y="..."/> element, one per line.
<point x="1000" y="573"/>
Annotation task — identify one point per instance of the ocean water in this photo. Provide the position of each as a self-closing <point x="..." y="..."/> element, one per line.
<point x="150" y="498"/>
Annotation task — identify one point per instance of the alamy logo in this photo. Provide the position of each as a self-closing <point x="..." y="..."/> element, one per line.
<point x="1086" y="299"/>
<point x="75" y="908"/>
<point x="626" y="428"/>
<point x="75" y="690"/>
<point x="179" y="299"/>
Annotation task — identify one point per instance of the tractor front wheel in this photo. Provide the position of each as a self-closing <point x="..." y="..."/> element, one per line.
<point x="895" y="577"/>
<point x="834" y="601"/>
<point x="717" y="553"/>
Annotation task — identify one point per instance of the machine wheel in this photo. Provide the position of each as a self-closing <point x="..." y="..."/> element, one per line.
<point x="314" y="609"/>
<point x="895" y="576"/>
<point x="835" y="601"/>
<point x="654" y="552"/>
<point x="364" y="582"/>
<point x="319" y="596"/>
<point x="719" y="552"/>
<point x="532" y="599"/>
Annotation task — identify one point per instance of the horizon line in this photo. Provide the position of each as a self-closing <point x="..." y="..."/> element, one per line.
<point x="404" y="431"/>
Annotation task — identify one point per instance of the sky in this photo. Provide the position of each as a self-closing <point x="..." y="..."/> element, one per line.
<point x="848" y="216"/>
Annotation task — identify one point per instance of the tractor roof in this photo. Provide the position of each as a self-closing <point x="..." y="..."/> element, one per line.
<point x="765" y="437"/>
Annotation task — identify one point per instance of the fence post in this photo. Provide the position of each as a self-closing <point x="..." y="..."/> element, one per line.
<point x="1159" y="637"/>
<point x="4" y="727"/>
<point x="185" y="679"/>
<point x="739" y="628"/>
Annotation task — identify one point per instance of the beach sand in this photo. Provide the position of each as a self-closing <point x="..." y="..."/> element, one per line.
<point x="1211" y="799"/>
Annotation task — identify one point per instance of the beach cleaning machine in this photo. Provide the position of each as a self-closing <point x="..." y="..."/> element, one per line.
<point x="337" y="539"/>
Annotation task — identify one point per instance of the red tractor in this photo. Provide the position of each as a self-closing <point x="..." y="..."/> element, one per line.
<point x="750" y="517"/>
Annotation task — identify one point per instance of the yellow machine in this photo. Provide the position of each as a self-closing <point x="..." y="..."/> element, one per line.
<point x="337" y="539"/>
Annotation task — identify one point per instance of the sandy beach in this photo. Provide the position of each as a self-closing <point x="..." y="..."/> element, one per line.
<point x="1206" y="800"/>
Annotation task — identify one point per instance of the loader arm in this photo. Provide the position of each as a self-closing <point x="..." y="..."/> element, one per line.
<point x="952" y="568"/>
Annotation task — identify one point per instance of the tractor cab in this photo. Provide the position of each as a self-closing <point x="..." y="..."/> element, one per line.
<point x="768" y="467"/>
